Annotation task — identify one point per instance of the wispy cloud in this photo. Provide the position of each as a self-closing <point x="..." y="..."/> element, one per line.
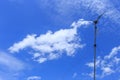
<point x="52" y="45"/>
<point x="67" y="7"/>
<point x="109" y="64"/>
<point x="74" y="75"/>
<point x="34" y="78"/>
<point x="10" y="62"/>
<point x="100" y="6"/>
<point x="10" y="66"/>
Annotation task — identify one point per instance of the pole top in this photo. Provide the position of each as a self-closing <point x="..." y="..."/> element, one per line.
<point x="97" y="20"/>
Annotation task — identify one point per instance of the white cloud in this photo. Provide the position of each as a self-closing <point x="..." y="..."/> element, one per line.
<point x="90" y="64"/>
<point x="67" y="7"/>
<point x="34" y="78"/>
<point x="79" y="23"/>
<point x="109" y="64"/>
<point x="52" y="45"/>
<point x="100" y="6"/>
<point x="10" y="62"/>
<point x="113" y="53"/>
<point x="10" y="67"/>
<point x="107" y="71"/>
<point x="74" y="75"/>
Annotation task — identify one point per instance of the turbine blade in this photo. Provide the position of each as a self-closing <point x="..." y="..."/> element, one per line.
<point x="100" y="16"/>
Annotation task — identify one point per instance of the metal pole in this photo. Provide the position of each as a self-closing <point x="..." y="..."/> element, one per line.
<point x="95" y="45"/>
<point x="95" y="32"/>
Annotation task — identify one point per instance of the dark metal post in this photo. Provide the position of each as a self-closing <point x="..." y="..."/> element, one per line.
<point x="95" y="33"/>
<point x="95" y="45"/>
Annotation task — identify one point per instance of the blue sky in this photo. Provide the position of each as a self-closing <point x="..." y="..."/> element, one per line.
<point x="53" y="39"/>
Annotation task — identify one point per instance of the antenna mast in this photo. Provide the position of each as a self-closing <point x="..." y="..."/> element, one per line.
<point x="95" y="45"/>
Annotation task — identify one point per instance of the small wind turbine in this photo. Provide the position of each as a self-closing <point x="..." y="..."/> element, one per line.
<point x="95" y="35"/>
